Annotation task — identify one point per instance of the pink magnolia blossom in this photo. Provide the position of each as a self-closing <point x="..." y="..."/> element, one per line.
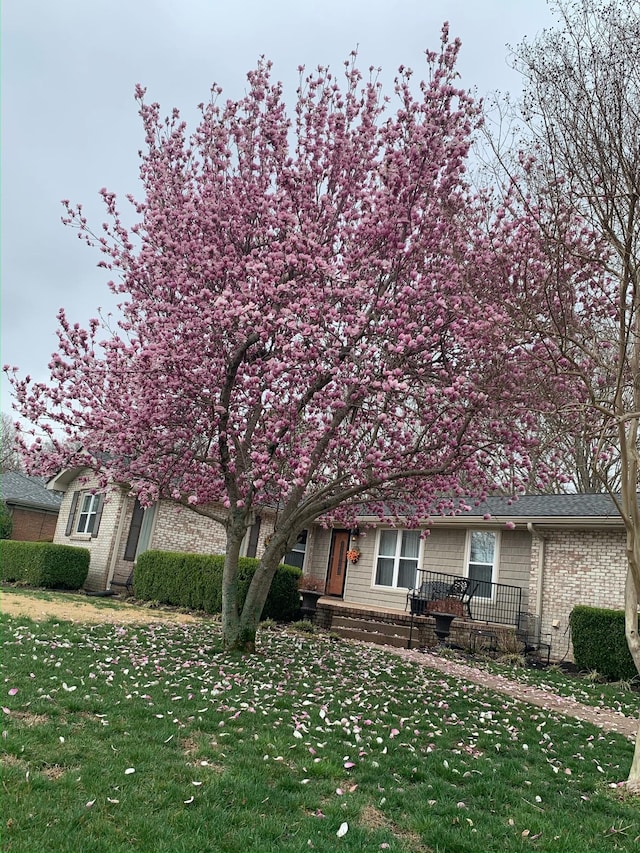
<point x="314" y="314"/>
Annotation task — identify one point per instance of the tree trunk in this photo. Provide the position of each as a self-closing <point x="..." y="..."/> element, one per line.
<point x="631" y="513"/>
<point x="633" y="782"/>
<point x="633" y="641"/>
<point x="258" y="592"/>
<point x="239" y="627"/>
<point x="232" y="633"/>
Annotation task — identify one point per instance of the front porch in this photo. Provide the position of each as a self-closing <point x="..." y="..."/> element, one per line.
<point x="482" y="616"/>
<point x="387" y="626"/>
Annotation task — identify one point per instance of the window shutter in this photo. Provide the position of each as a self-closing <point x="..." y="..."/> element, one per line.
<point x="254" y="532"/>
<point x="134" y="532"/>
<point x="96" y="523"/>
<point x="72" y="514"/>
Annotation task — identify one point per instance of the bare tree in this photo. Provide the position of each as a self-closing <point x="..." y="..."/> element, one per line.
<point x="578" y="168"/>
<point x="9" y="455"/>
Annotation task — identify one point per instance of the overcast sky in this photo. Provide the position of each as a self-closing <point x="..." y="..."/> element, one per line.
<point x="70" y="126"/>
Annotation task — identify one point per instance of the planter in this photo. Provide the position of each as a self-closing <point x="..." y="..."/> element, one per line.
<point x="418" y="605"/>
<point x="445" y="605"/>
<point x="308" y="602"/>
<point x="443" y="625"/>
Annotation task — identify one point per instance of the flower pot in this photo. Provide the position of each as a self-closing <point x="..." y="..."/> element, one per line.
<point x="308" y="602"/>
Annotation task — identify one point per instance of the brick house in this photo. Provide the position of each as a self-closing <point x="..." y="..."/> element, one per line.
<point x="34" y="508"/>
<point x="556" y="551"/>
<point x="116" y="528"/>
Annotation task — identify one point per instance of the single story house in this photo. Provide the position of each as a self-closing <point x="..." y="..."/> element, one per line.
<point x="33" y="507"/>
<point x="549" y="551"/>
<point x="115" y="528"/>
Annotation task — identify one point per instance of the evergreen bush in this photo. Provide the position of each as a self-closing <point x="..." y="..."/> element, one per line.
<point x="195" y="581"/>
<point x="6" y="522"/>
<point x="43" y="564"/>
<point x="599" y="642"/>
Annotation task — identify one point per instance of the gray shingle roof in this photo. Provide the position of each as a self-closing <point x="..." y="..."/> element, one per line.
<point x="548" y="506"/>
<point x="20" y="490"/>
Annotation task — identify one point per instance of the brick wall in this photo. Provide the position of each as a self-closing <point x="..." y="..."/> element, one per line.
<point x="177" y="529"/>
<point x="180" y="529"/>
<point x="100" y="547"/>
<point x="580" y="567"/>
<point x="32" y="525"/>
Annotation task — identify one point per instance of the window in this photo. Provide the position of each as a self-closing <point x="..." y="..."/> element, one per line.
<point x="482" y="560"/>
<point x="85" y="514"/>
<point x="88" y="514"/>
<point x="295" y="557"/>
<point x="398" y="553"/>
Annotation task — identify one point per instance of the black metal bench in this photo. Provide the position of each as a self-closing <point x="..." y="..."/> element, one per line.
<point x="460" y="589"/>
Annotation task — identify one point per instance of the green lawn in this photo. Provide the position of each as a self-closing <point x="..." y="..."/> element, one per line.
<point x="618" y="696"/>
<point x="149" y="738"/>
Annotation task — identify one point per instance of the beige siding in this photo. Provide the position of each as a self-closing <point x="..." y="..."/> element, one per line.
<point x="515" y="561"/>
<point x="316" y="561"/>
<point x="444" y="551"/>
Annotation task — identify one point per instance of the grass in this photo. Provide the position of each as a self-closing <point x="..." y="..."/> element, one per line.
<point x="149" y="738"/>
<point x="66" y="597"/>
<point x="617" y="696"/>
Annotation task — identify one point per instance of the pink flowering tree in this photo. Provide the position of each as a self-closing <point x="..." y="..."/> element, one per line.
<point x="311" y="318"/>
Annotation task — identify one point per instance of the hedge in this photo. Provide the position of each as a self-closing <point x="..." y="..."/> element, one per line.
<point x="599" y="642"/>
<point x="195" y="581"/>
<point x="43" y="564"/>
<point x="6" y="521"/>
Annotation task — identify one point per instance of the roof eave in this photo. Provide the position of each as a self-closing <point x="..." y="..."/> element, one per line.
<point x="518" y="522"/>
<point x="60" y="482"/>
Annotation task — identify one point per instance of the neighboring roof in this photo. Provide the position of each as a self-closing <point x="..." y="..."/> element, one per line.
<point x="19" y="490"/>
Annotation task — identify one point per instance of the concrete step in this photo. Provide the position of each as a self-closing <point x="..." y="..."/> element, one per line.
<point x="383" y="633"/>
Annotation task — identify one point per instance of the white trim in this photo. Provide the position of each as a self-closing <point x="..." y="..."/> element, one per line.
<point x="396" y="557"/>
<point x="495" y="568"/>
<point x="115" y="550"/>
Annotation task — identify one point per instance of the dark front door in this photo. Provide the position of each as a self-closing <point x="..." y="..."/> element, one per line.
<point x="337" y="562"/>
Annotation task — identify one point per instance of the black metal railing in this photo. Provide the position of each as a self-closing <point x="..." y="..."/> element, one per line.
<point x="483" y="601"/>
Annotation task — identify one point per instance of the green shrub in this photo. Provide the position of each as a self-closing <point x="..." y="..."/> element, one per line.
<point x="6" y="522"/>
<point x="195" y="581"/>
<point x="43" y="564"/>
<point x="599" y="642"/>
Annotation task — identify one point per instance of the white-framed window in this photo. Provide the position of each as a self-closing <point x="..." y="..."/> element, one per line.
<point x="295" y="557"/>
<point x="85" y="514"/>
<point x="482" y="560"/>
<point x="398" y="557"/>
<point x="88" y="513"/>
